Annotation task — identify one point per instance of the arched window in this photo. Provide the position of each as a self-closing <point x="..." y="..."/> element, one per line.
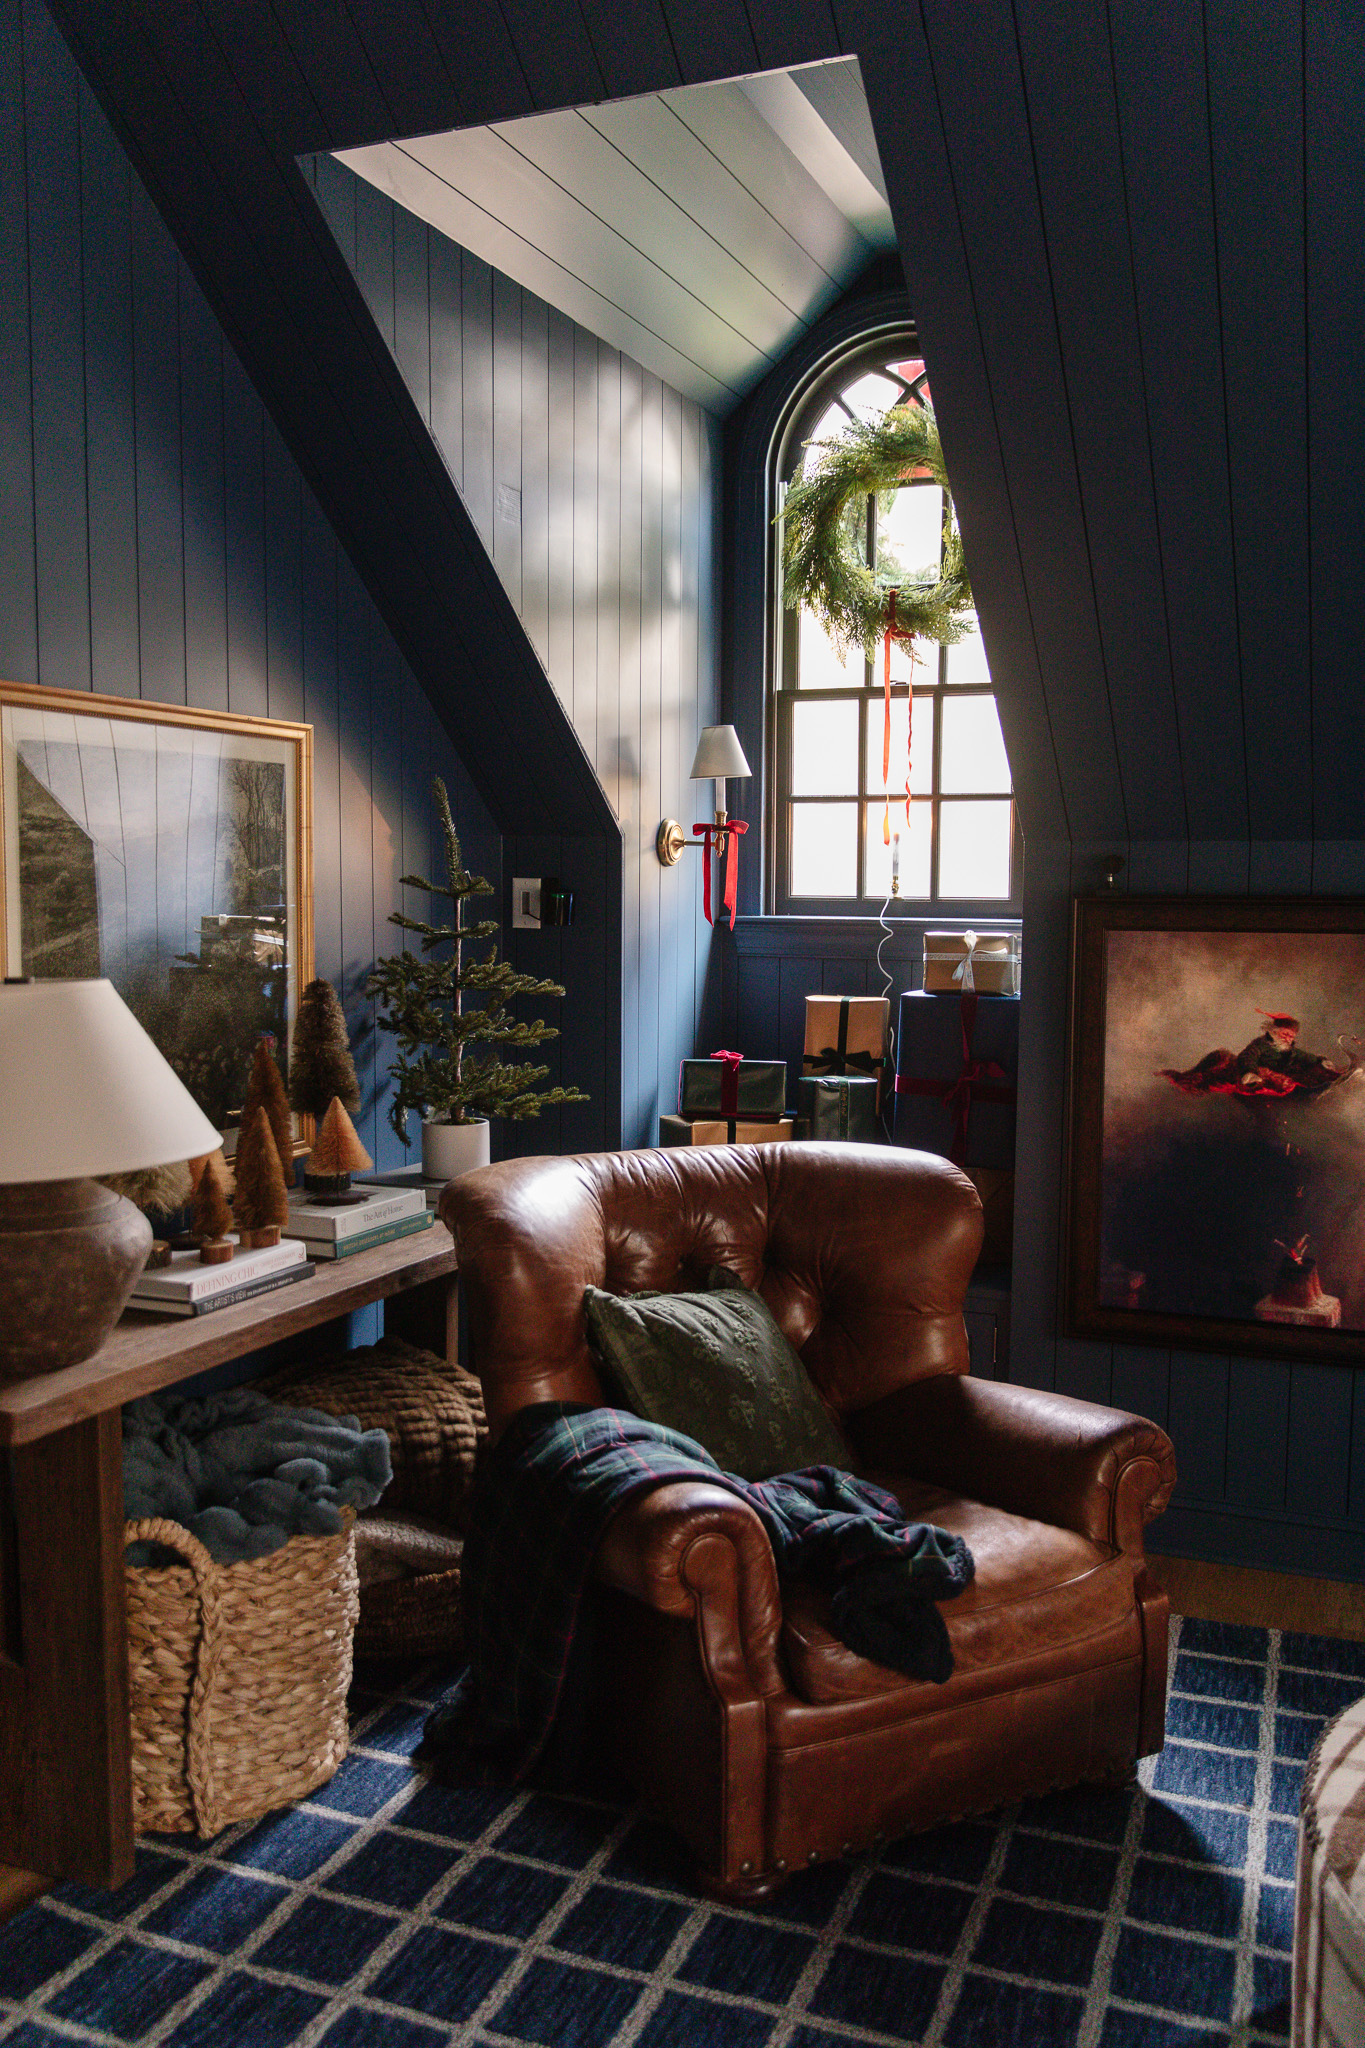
<point x="831" y="812"/>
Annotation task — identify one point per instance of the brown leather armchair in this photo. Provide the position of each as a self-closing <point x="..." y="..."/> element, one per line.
<point x="743" y="1720"/>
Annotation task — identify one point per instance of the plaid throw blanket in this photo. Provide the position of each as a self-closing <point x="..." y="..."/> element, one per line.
<point x="540" y="1507"/>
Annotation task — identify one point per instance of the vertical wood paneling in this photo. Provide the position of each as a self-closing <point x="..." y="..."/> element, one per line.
<point x="160" y="513"/>
<point x="18" y="566"/>
<point x="476" y="381"/>
<point x="111" y="448"/>
<point x="535" y="471"/>
<point x="1318" y="1480"/>
<point x="653" y="878"/>
<point x="607" y="591"/>
<point x="201" y="435"/>
<point x="1197" y="1421"/>
<point x="1258" y="1432"/>
<point x="214" y="576"/>
<point x="58" y="367"/>
<point x="581" y="426"/>
<point x="507" y="418"/>
<point x="630" y="792"/>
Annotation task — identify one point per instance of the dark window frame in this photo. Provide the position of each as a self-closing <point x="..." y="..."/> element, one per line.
<point x="808" y="403"/>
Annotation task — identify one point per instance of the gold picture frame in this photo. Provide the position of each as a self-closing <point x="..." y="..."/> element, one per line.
<point x="170" y="849"/>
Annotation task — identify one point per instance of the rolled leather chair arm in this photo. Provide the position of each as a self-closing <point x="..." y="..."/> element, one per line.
<point x="694" y="1550"/>
<point x="1096" y="1470"/>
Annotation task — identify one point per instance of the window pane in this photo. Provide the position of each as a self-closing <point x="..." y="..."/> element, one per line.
<point x="824" y="849"/>
<point x="927" y="668"/>
<point x="922" y="735"/>
<point x="910" y="533"/>
<point x="828" y="427"/>
<point x="914" y="850"/>
<point x="870" y="396"/>
<point x="974" y="849"/>
<point x="973" y="748"/>
<point x="818" y="667"/>
<point x="825" y="749"/>
<point x="967" y="661"/>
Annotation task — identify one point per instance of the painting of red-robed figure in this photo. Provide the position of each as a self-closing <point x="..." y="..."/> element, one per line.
<point x="1218" y="1125"/>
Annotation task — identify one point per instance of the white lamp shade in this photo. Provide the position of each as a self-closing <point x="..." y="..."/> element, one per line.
<point x="84" y="1091"/>
<point x="719" y="753"/>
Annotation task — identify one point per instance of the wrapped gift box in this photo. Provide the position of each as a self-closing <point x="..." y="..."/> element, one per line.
<point x="847" y="1035"/>
<point x="995" y="963"/>
<point x="957" y="1068"/>
<point x="837" y="1106"/>
<point x="759" y="1088"/>
<point x="681" y="1130"/>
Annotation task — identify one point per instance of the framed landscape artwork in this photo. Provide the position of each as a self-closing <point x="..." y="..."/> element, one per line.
<point x="171" y="851"/>
<point x="1216" y="1140"/>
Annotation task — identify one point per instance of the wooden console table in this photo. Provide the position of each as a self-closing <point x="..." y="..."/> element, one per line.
<point x="65" y="1789"/>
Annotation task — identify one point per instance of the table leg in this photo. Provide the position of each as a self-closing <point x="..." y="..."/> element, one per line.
<point x="66" y="1804"/>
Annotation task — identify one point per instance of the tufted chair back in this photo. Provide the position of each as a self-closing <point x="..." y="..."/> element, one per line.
<point x="863" y="1254"/>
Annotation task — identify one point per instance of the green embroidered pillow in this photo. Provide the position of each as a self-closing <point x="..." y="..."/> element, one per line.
<point x="715" y="1366"/>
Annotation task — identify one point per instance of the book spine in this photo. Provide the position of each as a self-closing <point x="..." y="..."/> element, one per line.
<point x="251" y="1288"/>
<point x="359" y="1222"/>
<point x="406" y="1226"/>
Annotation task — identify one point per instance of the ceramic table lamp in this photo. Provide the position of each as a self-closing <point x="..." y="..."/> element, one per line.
<point x="83" y="1091"/>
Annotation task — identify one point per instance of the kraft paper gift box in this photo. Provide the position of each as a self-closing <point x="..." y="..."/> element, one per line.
<point x="951" y="1098"/>
<point x="732" y="1087"/>
<point x="841" y="1106"/>
<point x="991" y="961"/>
<point x="847" y="1035"/>
<point x="681" y="1130"/>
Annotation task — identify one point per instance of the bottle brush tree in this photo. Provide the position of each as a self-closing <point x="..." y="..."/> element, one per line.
<point x="440" y="1070"/>
<point x="320" y="1063"/>
<point x="212" y="1216"/>
<point x="265" y="1090"/>
<point x="337" y="1154"/>
<point x="259" y="1203"/>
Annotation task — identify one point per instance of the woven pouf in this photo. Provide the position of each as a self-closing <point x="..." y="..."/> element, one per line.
<point x="1329" y="1901"/>
<point x="433" y="1413"/>
<point x="238" y="1676"/>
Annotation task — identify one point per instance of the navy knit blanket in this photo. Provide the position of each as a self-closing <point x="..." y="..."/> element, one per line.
<point x="540" y="1506"/>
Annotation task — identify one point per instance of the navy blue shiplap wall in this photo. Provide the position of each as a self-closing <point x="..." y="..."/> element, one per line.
<point x="158" y="541"/>
<point x="594" y="488"/>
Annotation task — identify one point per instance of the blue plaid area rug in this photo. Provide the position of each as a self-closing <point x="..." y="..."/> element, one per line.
<point x="390" y="1912"/>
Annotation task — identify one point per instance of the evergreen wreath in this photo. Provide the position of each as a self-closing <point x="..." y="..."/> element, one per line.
<point x="823" y="538"/>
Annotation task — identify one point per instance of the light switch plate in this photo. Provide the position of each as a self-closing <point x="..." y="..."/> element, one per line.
<point x="526" y="903"/>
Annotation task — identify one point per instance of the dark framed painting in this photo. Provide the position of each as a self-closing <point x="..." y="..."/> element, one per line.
<point x="1216" y="1124"/>
<point x="169" y="850"/>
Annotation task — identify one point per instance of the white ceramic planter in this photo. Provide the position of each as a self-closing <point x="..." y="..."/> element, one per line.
<point x="449" y="1150"/>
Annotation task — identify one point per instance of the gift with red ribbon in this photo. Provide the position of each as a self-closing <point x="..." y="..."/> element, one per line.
<point x="727" y="1085"/>
<point x="956" y="1077"/>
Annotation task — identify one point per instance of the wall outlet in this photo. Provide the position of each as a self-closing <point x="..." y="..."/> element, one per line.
<point x="526" y="903"/>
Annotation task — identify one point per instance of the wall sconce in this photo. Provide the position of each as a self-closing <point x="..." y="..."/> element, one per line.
<point x="719" y="755"/>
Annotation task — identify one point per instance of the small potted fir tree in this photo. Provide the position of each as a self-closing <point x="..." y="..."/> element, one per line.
<point x="421" y="996"/>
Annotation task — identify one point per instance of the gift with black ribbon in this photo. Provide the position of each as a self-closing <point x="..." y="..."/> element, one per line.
<point x="847" y="1035"/>
<point x="956" y="1077"/>
<point x="728" y="1085"/>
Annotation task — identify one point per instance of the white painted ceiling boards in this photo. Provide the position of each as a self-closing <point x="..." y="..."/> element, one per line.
<point x="699" y="230"/>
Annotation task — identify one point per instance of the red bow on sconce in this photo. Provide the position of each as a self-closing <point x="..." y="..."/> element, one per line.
<point x="726" y="838"/>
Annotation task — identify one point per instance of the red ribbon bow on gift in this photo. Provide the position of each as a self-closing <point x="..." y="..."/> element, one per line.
<point x="729" y="1083"/>
<point x="726" y="839"/>
<point x="977" y="1081"/>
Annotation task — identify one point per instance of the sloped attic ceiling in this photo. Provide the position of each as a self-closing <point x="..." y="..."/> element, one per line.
<point x="700" y="230"/>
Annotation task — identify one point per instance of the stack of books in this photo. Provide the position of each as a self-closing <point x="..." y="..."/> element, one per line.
<point x="334" y="1230"/>
<point x="187" y="1287"/>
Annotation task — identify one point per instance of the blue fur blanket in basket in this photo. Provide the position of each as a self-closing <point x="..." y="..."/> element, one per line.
<point x="243" y="1474"/>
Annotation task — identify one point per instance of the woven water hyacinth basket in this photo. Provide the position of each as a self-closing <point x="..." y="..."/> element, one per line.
<point x="238" y="1676"/>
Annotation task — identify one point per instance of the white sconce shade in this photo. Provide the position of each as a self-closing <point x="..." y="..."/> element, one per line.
<point x="84" y="1091"/>
<point x="719" y="753"/>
